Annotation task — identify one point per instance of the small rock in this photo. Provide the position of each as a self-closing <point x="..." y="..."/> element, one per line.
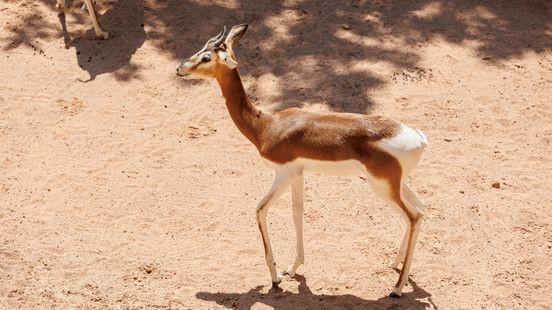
<point x="448" y="140"/>
<point x="461" y="192"/>
<point x="496" y="184"/>
<point x="148" y="269"/>
<point x="346" y="27"/>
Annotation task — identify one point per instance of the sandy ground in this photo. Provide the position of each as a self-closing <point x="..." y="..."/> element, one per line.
<point x="122" y="186"/>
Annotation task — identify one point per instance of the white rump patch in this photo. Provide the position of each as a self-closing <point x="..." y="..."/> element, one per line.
<point x="407" y="146"/>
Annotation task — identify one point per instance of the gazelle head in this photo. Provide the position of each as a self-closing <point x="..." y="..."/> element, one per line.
<point x="215" y="55"/>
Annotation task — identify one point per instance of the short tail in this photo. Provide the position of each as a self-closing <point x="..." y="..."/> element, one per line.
<point x="423" y="137"/>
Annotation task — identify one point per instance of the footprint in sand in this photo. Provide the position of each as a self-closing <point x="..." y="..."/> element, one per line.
<point x="413" y="75"/>
<point x="71" y="107"/>
<point x="202" y="128"/>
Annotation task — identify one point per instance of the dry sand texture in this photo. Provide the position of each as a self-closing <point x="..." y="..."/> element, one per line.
<point x="122" y="186"/>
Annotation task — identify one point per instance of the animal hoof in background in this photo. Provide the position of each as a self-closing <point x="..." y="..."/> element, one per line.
<point x="60" y="7"/>
<point x="275" y="284"/>
<point x="104" y="34"/>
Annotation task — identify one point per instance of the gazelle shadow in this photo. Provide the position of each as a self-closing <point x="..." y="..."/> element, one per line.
<point x="306" y="299"/>
<point x="125" y="23"/>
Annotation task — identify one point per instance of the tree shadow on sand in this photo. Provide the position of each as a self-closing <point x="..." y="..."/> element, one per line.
<point x="318" y="51"/>
<point x="305" y="299"/>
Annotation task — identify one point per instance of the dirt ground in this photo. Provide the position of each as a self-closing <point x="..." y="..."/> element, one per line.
<point x="122" y="186"/>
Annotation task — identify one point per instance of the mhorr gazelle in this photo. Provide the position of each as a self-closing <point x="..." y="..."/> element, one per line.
<point x="293" y="141"/>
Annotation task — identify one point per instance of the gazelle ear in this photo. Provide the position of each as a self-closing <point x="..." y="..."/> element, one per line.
<point x="235" y="34"/>
<point x="227" y="59"/>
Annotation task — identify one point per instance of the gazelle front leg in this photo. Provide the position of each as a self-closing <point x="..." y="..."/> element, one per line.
<point x="97" y="28"/>
<point x="282" y="180"/>
<point x="297" y="200"/>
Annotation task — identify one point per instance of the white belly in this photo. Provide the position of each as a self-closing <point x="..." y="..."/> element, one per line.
<point x="344" y="167"/>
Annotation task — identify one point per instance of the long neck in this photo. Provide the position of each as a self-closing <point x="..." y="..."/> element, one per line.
<point x="247" y="118"/>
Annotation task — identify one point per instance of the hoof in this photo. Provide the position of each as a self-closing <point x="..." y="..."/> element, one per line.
<point x="289" y="273"/>
<point x="275" y="284"/>
<point x="394" y="295"/>
<point x="103" y="35"/>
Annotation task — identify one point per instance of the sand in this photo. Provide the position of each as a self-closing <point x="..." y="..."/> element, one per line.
<point x="122" y="186"/>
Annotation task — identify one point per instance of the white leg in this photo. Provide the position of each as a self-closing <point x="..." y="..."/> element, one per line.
<point x="402" y="249"/>
<point x="297" y="199"/>
<point x="414" y="228"/>
<point x="410" y="196"/>
<point x="383" y="190"/>
<point x="281" y="182"/>
<point x="404" y="201"/>
<point x="413" y="206"/>
<point x="99" y="32"/>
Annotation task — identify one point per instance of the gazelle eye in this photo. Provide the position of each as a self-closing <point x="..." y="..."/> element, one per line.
<point x="205" y="58"/>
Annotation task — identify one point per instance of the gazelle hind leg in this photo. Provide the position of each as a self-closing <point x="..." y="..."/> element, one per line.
<point x="297" y="200"/>
<point x="414" y="228"/>
<point x="383" y="190"/>
<point x="407" y="195"/>
<point x="407" y="200"/>
<point x="100" y="33"/>
<point x="402" y="249"/>
<point x="281" y="182"/>
<point x="390" y="191"/>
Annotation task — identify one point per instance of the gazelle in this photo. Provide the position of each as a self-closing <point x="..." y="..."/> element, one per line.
<point x="293" y="142"/>
<point x="90" y="6"/>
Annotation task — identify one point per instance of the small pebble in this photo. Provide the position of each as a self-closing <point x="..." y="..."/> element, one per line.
<point x="148" y="269"/>
<point x="496" y="185"/>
